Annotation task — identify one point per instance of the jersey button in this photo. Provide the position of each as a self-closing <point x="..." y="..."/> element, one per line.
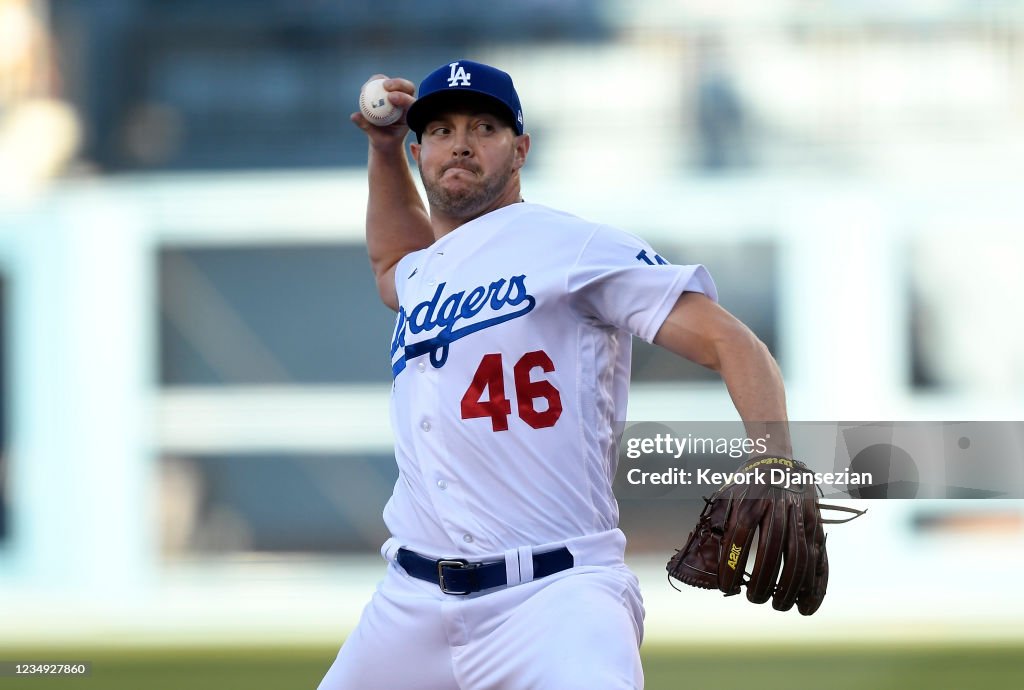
<point x="468" y="538"/>
<point x="425" y="425"/>
<point x="421" y="366"/>
<point x="442" y="484"/>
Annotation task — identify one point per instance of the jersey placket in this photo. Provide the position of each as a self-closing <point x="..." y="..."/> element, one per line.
<point x="445" y="489"/>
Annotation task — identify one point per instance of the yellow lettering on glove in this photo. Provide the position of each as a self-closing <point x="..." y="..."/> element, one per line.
<point x="734" y="556"/>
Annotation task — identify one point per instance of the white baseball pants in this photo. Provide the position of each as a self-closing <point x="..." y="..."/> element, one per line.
<point x="580" y="628"/>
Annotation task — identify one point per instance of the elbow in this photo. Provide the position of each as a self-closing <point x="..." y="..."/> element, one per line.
<point x="701" y="331"/>
<point x="381" y="267"/>
<point x="386" y="291"/>
<point x="737" y="343"/>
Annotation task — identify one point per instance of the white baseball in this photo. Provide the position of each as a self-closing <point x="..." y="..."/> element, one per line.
<point x="375" y="106"/>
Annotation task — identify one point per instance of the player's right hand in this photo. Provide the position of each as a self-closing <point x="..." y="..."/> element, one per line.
<point x="401" y="94"/>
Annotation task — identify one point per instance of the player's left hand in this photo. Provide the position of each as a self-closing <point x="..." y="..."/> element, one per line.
<point x="791" y="564"/>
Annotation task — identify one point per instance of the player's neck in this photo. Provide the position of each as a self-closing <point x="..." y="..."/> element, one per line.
<point x="443" y="223"/>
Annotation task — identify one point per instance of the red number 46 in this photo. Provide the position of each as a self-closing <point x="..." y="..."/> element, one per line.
<point x="489" y="376"/>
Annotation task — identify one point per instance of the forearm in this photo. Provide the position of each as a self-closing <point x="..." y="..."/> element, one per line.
<point x="755" y="384"/>
<point x="700" y="330"/>
<point x="397" y="222"/>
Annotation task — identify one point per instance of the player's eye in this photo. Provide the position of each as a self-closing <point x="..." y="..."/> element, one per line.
<point x="439" y="131"/>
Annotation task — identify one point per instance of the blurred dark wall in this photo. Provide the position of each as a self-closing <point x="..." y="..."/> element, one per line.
<point x="303" y="315"/>
<point x="233" y="84"/>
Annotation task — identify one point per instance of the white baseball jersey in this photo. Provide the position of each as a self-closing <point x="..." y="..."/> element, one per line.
<point x="511" y="360"/>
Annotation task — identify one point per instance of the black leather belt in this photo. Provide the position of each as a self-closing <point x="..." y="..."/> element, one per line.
<point x="459" y="576"/>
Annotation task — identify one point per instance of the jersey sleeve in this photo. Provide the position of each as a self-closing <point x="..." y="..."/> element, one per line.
<point x="619" y="280"/>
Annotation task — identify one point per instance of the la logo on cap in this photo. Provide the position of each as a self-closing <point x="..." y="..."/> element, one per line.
<point x="459" y="76"/>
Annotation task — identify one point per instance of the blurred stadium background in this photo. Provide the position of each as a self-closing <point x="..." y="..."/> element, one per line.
<point x="194" y="381"/>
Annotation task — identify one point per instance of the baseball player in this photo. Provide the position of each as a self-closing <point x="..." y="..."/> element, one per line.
<point x="511" y="359"/>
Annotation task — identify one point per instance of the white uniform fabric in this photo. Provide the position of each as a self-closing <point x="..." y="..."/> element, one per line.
<point x="511" y="360"/>
<point x="522" y="279"/>
<point x="579" y="629"/>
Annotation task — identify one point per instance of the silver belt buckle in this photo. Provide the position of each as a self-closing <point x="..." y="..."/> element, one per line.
<point x="455" y="563"/>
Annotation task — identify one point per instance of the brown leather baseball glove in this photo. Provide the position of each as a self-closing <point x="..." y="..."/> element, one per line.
<point x="775" y="499"/>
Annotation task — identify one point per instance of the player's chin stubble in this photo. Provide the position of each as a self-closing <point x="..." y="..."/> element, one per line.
<point x="466" y="202"/>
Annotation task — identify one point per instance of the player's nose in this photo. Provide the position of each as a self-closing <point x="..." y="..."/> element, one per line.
<point x="461" y="150"/>
<point x="460" y="145"/>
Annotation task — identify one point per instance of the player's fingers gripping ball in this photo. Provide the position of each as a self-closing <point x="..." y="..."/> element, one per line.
<point x="375" y="106"/>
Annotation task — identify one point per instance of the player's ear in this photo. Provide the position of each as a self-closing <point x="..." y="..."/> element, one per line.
<point x="522" y="147"/>
<point x="414" y="148"/>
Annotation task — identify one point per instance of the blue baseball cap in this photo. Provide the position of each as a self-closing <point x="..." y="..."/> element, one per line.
<point x="451" y="84"/>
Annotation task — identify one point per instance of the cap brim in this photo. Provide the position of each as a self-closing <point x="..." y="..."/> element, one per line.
<point x="425" y="109"/>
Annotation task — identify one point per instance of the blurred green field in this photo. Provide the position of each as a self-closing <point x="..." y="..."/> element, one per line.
<point x="764" y="667"/>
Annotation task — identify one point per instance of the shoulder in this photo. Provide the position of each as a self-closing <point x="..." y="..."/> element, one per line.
<point x="554" y="216"/>
<point x="574" y="225"/>
<point x="559" y="228"/>
<point x="575" y="239"/>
